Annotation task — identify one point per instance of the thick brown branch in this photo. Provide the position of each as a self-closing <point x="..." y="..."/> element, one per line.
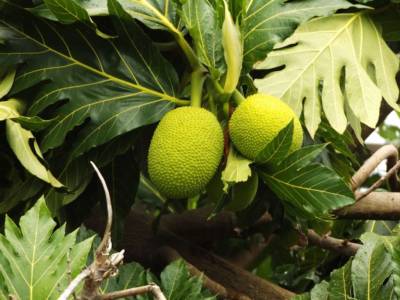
<point x="375" y="206"/>
<point x="370" y="165"/>
<point x="169" y="255"/>
<point x="151" y="288"/>
<point x="330" y="243"/>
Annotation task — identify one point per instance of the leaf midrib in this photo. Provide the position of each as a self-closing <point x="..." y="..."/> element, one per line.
<point x="100" y="73"/>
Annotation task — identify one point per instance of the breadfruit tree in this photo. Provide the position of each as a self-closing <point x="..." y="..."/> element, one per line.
<point x="227" y="137"/>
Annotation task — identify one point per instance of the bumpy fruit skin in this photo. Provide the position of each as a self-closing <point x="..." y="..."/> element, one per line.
<point x="258" y="120"/>
<point x="185" y="152"/>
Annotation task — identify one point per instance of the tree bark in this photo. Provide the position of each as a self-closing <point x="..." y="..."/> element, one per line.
<point x="375" y="206"/>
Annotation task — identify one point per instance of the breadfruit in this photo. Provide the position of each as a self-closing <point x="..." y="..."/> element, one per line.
<point x="185" y="152"/>
<point x="258" y="120"/>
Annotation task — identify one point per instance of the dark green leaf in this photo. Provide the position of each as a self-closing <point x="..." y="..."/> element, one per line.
<point x="70" y="11"/>
<point x="112" y="86"/>
<point x="34" y="123"/>
<point x="243" y="193"/>
<point x="177" y="283"/>
<point x="340" y="283"/>
<point x="370" y="268"/>
<point x="266" y="23"/>
<point x="300" y="158"/>
<point x="201" y="20"/>
<point x="311" y="191"/>
<point x="389" y="20"/>
<point x="129" y="276"/>
<point x="278" y="148"/>
<point x="77" y="174"/>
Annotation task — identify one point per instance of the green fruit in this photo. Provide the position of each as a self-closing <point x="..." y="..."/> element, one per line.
<point x="185" y="152"/>
<point x="258" y="120"/>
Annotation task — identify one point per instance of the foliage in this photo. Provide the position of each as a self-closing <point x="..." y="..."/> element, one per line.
<point x="88" y="80"/>
<point x="331" y="77"/>
<point x="35" y="257"/>
<point x="369" y="275"/>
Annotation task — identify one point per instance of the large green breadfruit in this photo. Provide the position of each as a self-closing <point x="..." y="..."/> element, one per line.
<point x="256" y="122"/>
<point x="185" y="152"/>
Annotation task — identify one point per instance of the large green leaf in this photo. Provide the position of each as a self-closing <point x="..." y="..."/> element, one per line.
<point x="157" y="14"/>
<point x="309" y="190"/>
<point x="70" y="11"/>
<point x="108" y="87"/>
<point x="34" y="257"/>
<point x="278" y="148"/>
<point x="77" y="174"/>
<point x="370" y="268"/>
<point x="266" y="23"/>
<point x="202" y="21"/>
<point x="176" y="282"/>
<point x="331" y="64"/>
<point x="340" y="283"/>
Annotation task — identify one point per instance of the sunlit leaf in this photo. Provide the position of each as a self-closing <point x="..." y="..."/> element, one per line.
<point x="34" y="257"/>
<point x="237" y="169"/>
<point x="266" y="23"/>
<point x="321" y="54"/>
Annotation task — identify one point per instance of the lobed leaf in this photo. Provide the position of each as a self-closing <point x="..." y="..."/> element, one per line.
<point x="266" y="23"/>
<point x="34" y="257"/>
<point x="326" y="69"/>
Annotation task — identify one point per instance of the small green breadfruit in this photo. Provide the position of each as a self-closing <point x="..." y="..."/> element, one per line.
<point x="185" y="152"/>
<point x="258" y="120"/>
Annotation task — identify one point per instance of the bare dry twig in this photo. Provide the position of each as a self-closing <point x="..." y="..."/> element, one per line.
<point x="150" y="288"/>
<point x="106" y="265"/>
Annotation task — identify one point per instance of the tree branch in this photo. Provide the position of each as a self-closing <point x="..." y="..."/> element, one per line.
<point x="150" y="288"/>
<point x="330" y="243"/>
<point x="391" y="173"/>
<point x="370" y="165"/>
<point x="375" y="206"/>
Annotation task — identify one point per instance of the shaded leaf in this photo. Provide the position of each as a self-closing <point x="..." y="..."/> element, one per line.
<point x="278" y="148"/>
<point x="70" y="11"/>
<point x="243" y="193"/>
<point x="370" y="268"/>
<point x="34" y="256"/>
<point x="111" y="87"/>
<point x="340" y="283"/>
<point x="309" y="191"/>
<point x="177" y="284"/>
<point x="324" y="51"/>
<point x="201" y="19"/>
<point x="389" y="21"/>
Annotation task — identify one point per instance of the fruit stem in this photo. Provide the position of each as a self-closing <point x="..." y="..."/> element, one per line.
<point x="198" y="78"/>
<point x="192" y="202"/>
<point x="238" y="97"/>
